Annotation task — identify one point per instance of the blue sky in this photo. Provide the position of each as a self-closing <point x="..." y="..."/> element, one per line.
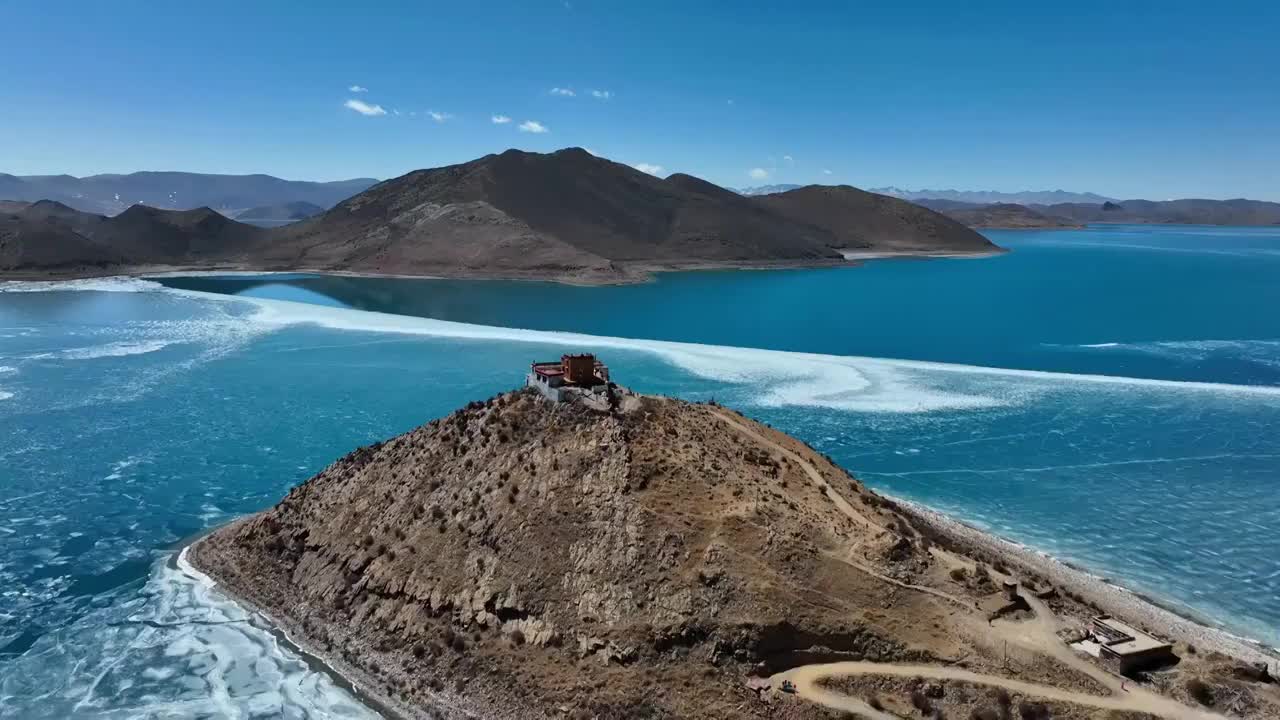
<point x="1129" y="99"/>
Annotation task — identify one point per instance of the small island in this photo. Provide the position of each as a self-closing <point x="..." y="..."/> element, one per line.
<point x="573" y="549"/>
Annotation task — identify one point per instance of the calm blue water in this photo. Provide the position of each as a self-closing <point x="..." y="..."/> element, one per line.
<point x="1111" y="396"/>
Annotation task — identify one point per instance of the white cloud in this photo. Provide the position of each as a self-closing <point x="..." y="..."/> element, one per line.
<point x="826" y="171"/>
<point x="500" y="119"/>
<point x="789" y="160"/>
<point x="358" y="89"/>
<point x="758" y="174"/>
<point x="364" y="108"/>
<point x="563" y="92"/>
<point x="440" y="116"/>
<point x="646" y="167"/>
<point x="533" y="126"/>
<point x="601" y="94"/>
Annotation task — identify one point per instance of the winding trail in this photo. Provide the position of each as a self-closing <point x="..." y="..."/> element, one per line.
<point x="807" y="678"/>
<point x="816" y="477"/>
<point x="1039" y="635"/>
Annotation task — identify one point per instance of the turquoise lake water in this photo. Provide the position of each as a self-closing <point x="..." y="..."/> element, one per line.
<point x="1110" y="396"/>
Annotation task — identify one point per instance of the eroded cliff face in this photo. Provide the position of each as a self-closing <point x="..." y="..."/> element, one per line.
<point x="520" y="558"/>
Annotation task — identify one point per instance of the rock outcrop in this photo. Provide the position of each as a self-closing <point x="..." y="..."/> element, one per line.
<point x="524" y="559"/>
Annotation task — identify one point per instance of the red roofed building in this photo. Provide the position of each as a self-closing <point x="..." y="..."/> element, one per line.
<point x="573" y="371"/>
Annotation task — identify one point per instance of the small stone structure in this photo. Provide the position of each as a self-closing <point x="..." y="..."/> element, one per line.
<point x="1010" y="589"/>
<point x="573" y="375"/>
<point x="1008" y="601"/>
<point x="1126" y="648"/>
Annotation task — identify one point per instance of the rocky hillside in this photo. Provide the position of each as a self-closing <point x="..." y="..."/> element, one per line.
<point x="521" y="212"/>
<point x="864" y="221"/>
<point x="49" y="236"/>
<point x="522" y="559"/>
<point x="529" y="556"/>
<point x="567" y="215"/>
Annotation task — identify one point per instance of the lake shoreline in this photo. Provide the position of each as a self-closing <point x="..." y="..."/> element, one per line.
<point x="1109" y="594"/>
<point x="1047" y="411"/>
<point x="620" y="274"/>
<point x="359" y="683"/>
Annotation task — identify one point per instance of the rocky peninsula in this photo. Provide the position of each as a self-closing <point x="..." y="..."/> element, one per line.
<point x="653" y="558"/>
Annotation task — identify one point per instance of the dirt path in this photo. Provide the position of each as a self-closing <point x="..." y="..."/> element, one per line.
<point x="853" y="562"/>
<point x="1038" y="635"/>
<point x="807" y="677"/>
<point x="816" y="477"/>
<point x="842" y="505"/>
<point x="1041" y="636"/>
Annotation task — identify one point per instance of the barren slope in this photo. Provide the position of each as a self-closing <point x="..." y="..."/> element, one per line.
<point x="524" y="212"/>
<point x="48" y="235"/>
<point x="866" y="221"/>
<point x="548" y="555"/>
<point x="520" y="559"/>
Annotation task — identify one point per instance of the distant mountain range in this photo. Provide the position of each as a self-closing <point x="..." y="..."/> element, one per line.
<point x="567" y="215"/>
<point x="1066" y="215"/>
<point x="1062" y="209"/>
<point x="980" y="197"/>
<point x="1187" y="212"/>
<point x="228" y="194"/>
<point x="999" y="215"/>
<point x="268" y="201"/>
<point x="767" y="189"/>
<point x="987" y="197"/>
